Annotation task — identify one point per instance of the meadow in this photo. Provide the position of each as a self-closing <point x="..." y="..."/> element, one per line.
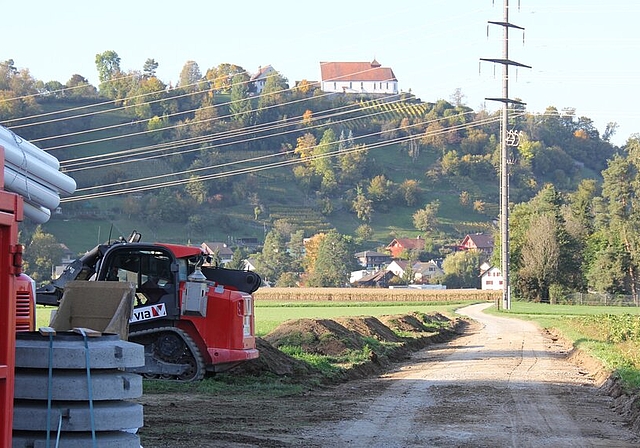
<point x="610" y="334"/>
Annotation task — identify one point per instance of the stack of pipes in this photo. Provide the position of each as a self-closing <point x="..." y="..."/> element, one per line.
<point x="33" y="174"/>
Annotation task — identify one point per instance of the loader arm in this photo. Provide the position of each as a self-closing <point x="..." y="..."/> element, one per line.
<point x="79" y="269"/>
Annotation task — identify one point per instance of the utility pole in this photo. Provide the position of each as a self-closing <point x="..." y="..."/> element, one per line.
<point x="504" y="152"/>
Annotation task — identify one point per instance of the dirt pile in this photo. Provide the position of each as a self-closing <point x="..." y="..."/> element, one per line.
<point x="398" y="334"/>
<point x="317" y="336"/>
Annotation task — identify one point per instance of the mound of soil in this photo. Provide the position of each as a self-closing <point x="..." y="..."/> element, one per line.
<point x="272" y="360"/>
<point x="318" y="336"/>
<point x="408" y="323"/>
<point x="370" y="327"/>
<point x="335" y="337"/>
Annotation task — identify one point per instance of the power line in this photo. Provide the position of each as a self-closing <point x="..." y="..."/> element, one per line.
<point x="252" y="169"/>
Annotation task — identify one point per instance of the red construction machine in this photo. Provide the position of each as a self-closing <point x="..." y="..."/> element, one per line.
<point x="191" y="318"/>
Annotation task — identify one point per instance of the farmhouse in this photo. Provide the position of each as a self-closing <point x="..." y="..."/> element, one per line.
<point x="357" y="77"/>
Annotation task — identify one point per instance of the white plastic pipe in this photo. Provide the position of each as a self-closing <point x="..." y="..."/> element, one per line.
<point x="36" y="213"/>
<point x="38" y="170"/>
<point x="29" y="189"/>
<point x="54" y="182"/>
<point x="9" y="139"/>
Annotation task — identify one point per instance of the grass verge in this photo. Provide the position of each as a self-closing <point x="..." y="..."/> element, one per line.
<point x="609" y="334"/>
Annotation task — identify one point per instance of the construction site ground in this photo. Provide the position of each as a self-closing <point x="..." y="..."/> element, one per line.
<point x="495" y="382"/>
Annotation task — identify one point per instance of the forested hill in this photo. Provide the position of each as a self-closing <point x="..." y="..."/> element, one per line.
<point x="212" y="160"/>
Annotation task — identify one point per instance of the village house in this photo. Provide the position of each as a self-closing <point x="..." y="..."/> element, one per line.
<point x="398" y="267"/>
<point x="425" y="272"/>
<point x="67" y="258"/>
<point x="399" y="245"/>
<point x="258" y="80"/>
<point x="358" y="77"/>
<point x="379" y="279"/>
<point x="422" y="272"/>
<point x="371" y="259"/>
<point x="490" y="277"/>
<point x="478" y="241"/>
<point x="220" y="249"/>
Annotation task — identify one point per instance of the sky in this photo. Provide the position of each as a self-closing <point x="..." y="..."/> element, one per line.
<point x="583" y="54"/>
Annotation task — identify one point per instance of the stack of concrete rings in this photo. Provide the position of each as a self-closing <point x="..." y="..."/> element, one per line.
<point x="72" y="391"/>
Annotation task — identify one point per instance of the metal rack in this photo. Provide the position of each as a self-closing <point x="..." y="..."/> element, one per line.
<point x="11" y="212"/>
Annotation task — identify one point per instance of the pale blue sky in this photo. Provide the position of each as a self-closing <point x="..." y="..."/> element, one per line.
<point x="584" y="54"/>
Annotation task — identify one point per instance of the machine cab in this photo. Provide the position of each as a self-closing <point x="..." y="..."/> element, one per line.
<point x="154" y="271"/>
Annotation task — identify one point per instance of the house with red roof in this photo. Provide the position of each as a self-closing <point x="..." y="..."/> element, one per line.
<point x="357" y="77"/>
<point x="398" y="245"/>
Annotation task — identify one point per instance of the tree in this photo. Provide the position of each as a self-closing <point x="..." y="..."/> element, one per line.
<point x="311" y="253"/>
<point x="272" y="95"/>
<point x="410" y="190"/>
<point x="223" y="77"/>
<point x="462" y="269"/>
<point x="380" y="189"/>
<point x="80" y="87"/>
<point x="334" y="262"/>
<point x="582" y="203"/>
<point x="321" y="161"/>
<point x="108" y="67"/>
<point x="41" y="255"/>
<point x="149" y="68"/>
<point x="352" y="164"/>
<point x="543" y="251"/>
<point x="540" y="257"/>
<point x="190" y="76"/>
<point x="237" y="260"/>
<point x="240" y="107"/>
<point x="362" y="206"/>
<point x="457" y="97"/>
<point x="274" y="259"/>
<point x="363" y="233"/>
<point x="197" y="189"/>
<point x="621" y="200"/>
<point x="426" y="219"/>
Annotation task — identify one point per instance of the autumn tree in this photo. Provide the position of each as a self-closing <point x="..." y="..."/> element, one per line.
<point x="380" y="190"/>
<point x="222" y="77"/>
<point x="334" y="261"/>
<point x="410" y="191"/>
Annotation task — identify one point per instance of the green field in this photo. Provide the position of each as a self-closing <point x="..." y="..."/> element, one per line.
<point x="610" y="334"/>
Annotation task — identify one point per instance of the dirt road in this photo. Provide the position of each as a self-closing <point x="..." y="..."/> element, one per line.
<point x="501" y="384"/>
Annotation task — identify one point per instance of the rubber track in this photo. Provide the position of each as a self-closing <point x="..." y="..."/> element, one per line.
<point x="188" y="340"/>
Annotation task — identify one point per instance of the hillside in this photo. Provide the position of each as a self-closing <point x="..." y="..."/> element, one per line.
<point x="244" y="179"/>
